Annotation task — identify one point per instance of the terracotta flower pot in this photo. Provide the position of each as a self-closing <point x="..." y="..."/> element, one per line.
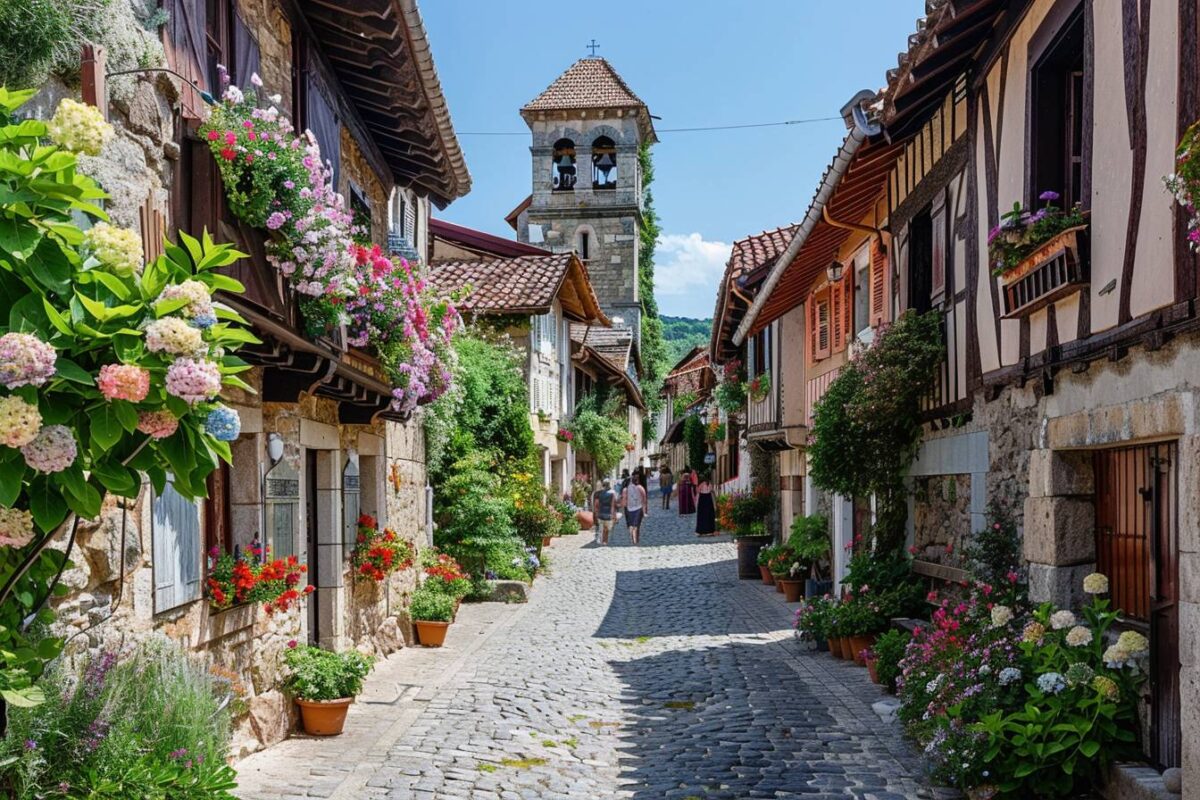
<point x="835" y="646"/>
<point x="792" y="590"/>
<point x="547" y="540"/>
<point x="847" y="649"/>
<point x="858" y="644"/>
<point x="323" y="717"/>
<point x="585" y="520"/>
<point x="430" y="633"/>
<point x="767" y="577"/>
<point x="778" y="581"/>
<point x="872" y="671"/>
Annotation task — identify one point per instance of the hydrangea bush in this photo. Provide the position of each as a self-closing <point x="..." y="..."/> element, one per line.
<point x="276" y="181"/>
<point x="1020" y="704"/>
<point x="1184" y="182"/>
<point x="104" y="378"/>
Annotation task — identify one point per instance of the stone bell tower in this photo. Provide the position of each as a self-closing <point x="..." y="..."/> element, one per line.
<point x="587" y="127"/>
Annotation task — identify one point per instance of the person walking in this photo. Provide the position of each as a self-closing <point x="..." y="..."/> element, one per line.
<point x="666" y="485"/>
<point x="604" y="502"/>
<point x="706" y="509"/>
<point x="687" y="489"/>
<point x="633" y="501"/>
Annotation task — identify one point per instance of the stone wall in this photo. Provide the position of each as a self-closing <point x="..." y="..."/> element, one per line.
<point x="356" y="171"/>
<point x="942" y="517"/>
<point x="273" y="32"/>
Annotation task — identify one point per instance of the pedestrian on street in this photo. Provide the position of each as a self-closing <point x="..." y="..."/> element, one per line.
<point x="666" y="485"/>
<point x="706" y="510"/>
<point x="633" y="501"/>
<point x="604" y="502"/>
<point x="624" y="481"/>
<point x="687" y="492"/>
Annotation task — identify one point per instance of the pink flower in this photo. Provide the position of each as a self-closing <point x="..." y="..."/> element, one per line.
<point x="25" y="360"/>
<point x="193" y="381"/>
<point x="213" y="136"/>
<point x="123" y="382"/>
<point x="230" y="138"/>
<point x="157" y="424"/>
<point x="292" y="644"/>
<point x="276" y="221"/>
<point x="53" y="450"/>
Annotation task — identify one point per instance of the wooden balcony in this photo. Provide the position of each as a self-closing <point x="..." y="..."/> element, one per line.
<point x="1058" y="268"/>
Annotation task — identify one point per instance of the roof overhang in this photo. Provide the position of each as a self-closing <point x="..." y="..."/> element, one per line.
<point x="381" y="56"/>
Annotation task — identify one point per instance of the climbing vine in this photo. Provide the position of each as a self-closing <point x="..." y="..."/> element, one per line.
<point x="867" y="427"/>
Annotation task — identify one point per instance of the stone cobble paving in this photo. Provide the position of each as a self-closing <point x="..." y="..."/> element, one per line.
<point x="648" y="673"/>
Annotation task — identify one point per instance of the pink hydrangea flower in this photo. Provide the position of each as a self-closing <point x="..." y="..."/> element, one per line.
<point x="25" y="360"/>
<point x="123" y="382"/>
<point x="193" y="380"/>
<point x="53" y="450"/>
<point x="157" y="424"/>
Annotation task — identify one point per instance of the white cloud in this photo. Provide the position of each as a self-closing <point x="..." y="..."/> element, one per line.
<point x="687" y="269"/>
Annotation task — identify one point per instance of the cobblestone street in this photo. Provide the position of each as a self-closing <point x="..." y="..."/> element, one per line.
<point x="642" y="673"/>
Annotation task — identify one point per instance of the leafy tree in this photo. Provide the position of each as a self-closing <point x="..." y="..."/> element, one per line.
<point x="654" y="353"/>
<point x="600" y="429"/>
<point x="697" y="443"/>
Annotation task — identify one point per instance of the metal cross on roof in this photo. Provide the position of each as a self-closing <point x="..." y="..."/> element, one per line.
<point x="593" y="47"/>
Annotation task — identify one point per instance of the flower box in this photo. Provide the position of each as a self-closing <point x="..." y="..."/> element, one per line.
<point x="1057" y="268"/>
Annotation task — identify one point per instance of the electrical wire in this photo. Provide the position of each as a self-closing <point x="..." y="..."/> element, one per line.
<point x="680" y="130"/>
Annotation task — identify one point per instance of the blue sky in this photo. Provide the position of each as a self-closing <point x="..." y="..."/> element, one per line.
<point x="696" y="63"/>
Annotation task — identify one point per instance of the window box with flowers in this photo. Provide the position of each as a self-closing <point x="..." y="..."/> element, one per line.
<point x="235" y="580"/>
<point x="379" y="553"/>
<point x="1040" y="256"/>
<point x="760" y="387"/>
<point x="276" y="181"/>
<point x="564" y="435"/>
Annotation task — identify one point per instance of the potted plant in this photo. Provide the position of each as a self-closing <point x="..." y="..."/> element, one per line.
<point x="833" y="631"/>
<point x="888" y="650"/>
<point x="431" y="612"/>
<point x="809" y="540"/>
<point x="324" y="684"/>
<point x="793" y="582"/>
<point x="861" y="621"/>
<point x="813" y="620"/>
<point x="868" y="658"/>
<point x="765" y="555"/>
<point x="747" y="513"/>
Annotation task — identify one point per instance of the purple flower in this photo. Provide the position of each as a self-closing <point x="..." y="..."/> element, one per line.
<point x="30" y="745"/>
<point x="178" y="754"/>
<point x="276" y="220"/>
<point x="1048" y="196"/>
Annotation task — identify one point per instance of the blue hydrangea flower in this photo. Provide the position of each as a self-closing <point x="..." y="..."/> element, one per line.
<point x="1051" y="683"/>
<point x="223" y="424"/>
<point x="1009" y="675"/>
<point x="204" y="321"/>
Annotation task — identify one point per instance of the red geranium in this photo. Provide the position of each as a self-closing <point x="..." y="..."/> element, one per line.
<point x="379" y="553"/>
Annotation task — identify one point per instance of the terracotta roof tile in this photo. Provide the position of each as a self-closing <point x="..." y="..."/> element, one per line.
<point x="615" y="343"/>
<point x="759" y="250"/>
<point x="527" y="284"/>
<point x="588" y="83"/>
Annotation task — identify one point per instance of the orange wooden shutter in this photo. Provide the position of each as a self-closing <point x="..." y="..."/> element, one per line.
<point x="822" y="327"/>
<point x="837" y="307"/>
<point x="810" y="326"/>
<point x="879" y="260"/>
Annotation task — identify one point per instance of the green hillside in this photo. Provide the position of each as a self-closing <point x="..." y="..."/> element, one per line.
<point x="681" y="334"/>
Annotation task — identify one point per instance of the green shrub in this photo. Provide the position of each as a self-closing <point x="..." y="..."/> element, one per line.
<point x="809" y="541"/>
<point x="428" y="605"/>
<point x="33" y="34"/>
<point x="153" y="725"/>
<point x="318" y="674"/>
<point x="888" y="650"/>
<point x="600" y="429"/>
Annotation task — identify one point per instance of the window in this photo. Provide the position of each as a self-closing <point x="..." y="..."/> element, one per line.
<point x="760" y="352"/>
<point x="862" y="294"/>
<point x="282" y="508"/>
<point x="920" y="262"/>
<point x="175" y="530"/>
<point x="351" y="502"/>
<point x="218" y="19"/>
<point x="360" y="212"/>
<point x="880" y="300"/>
<point x="584" y="246"/>
<point x="604" y="163"/>
<point x="562" y="166"/>
<point x="1057" y="118"/>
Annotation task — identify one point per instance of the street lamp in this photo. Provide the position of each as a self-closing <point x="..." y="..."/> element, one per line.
<point x="835" y="271"/>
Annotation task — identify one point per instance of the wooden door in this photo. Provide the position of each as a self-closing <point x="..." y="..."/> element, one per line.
<point x="1137" y="548"/>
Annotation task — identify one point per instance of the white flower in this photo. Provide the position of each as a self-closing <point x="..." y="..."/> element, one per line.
<point x="1001" y="616"/>
<point x="1051" y="683"/>
<point x="254" y="79"/>
<point x="1061" y="620"/>
<point x="1116" y="657"/>
<point x="1009" y="675"/>
<point x="1096" y="583"/>
<point x="1079" y="636"/>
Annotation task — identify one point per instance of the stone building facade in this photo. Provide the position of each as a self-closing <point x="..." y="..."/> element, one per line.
<point x="318" y="442"/>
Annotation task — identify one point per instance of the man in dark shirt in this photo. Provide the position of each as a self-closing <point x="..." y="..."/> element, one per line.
<point x="604" y="504"/>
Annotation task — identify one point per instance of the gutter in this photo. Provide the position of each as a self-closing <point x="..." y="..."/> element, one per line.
<point x="860" y="129"/>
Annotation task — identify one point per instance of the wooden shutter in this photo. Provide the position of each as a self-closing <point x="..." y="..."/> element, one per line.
<point x="879" y="297"/>
<point x="175" y="530"/>
<point x="837" y="306"/>
<point x="822" y="328"/>
<point x="938" y="268"/>
<point x="187" y="51"/>
<point x="810" y="328"/>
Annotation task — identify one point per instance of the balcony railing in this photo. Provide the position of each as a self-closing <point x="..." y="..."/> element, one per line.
<point x="762" y="415"/>
<point x="815" y="389"/>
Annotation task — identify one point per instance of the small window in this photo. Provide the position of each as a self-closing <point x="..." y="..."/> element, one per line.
<point x="282" y="508"/>
<point x="585" y="246"/>
<point x="604" y="163"/>
<point x="360" y="212"/>
<point x="562" y="166"/>
<point x="351" y="502"/>
<point x="175" y="531"/>
<point x="920" y="262"/>
<point x="862" y="294"/>
<point x="1057" y="119"/>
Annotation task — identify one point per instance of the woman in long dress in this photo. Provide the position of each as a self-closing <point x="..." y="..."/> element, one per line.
<point x="706" y="510"/>
<point x="687" y="492"/>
